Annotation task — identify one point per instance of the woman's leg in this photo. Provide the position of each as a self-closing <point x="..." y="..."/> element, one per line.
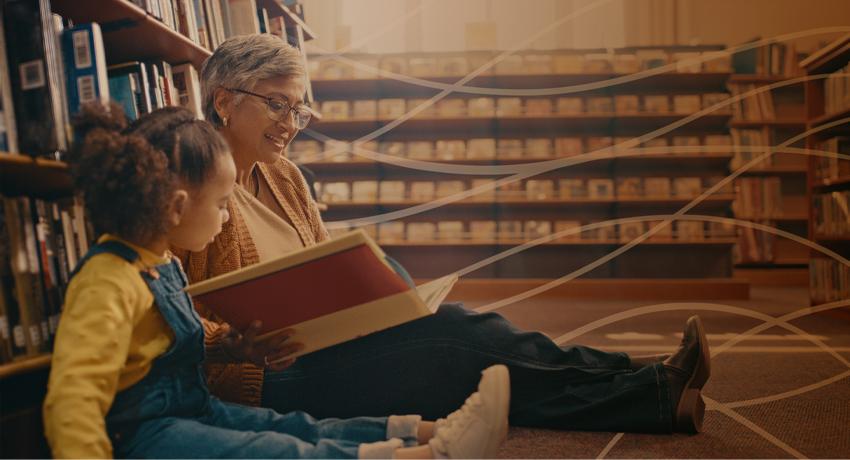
<point x="431" y="365"/>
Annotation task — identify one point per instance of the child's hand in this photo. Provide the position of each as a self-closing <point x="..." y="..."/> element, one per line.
<point x="270" y="353"/>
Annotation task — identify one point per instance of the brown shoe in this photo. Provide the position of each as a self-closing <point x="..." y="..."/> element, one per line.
<point x="688" y="369"/>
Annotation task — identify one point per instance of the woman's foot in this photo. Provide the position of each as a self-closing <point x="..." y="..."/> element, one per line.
<point x="477" y="429"/>
<point x="688" y="369"/>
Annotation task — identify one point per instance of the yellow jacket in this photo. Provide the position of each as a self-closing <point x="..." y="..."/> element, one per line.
<point x="109" y="334"/>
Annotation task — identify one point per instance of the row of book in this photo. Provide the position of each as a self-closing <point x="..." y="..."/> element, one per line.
<point x="758" y="198"/>
<point x="44" y="82"/>
<point x="831" y="213"/>
<point x="525" y="63"/>
<point x="626" y="104"/>
<point x="390" y="191"/>
<point x="512" y="231"/>
<point x="829" y="169"/>
<point x="753" y="107"/>
<point x="829" y="280"/>
<point x="836" y="94"/>
<point x="754" y="247"/>
<point x="777" y="59"/>
<point x="486" y="148"/>
<point x="40" y="244"/>
<point x="209" y="22"/>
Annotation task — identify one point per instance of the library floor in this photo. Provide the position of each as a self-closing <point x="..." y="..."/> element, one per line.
<point x="780" y="394"/>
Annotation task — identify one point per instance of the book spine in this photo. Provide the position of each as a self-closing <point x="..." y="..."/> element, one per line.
<point x="85" y="64"/>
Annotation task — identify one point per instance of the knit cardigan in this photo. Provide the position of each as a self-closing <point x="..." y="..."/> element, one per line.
<point x="233" y="249"/>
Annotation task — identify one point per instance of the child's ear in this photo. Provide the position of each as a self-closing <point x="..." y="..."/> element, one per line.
<point x="179" y="205"/>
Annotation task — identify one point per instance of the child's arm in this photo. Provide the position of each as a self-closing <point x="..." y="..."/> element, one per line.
<point x="91" y="350"/>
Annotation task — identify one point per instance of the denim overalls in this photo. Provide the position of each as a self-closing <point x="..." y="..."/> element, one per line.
<point x="171" y="414"/>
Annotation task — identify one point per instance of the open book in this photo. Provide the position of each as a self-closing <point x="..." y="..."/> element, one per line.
<point x="329" y="293"/>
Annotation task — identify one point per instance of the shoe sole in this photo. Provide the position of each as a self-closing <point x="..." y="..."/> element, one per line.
<point x="690" y="411"/>
<point x="502" y="389"/>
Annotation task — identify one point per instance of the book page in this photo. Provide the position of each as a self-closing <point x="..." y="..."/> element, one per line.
<point x="434" y="292"/>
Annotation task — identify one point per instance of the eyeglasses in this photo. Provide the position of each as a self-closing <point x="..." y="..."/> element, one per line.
<point x="279" y="108"/>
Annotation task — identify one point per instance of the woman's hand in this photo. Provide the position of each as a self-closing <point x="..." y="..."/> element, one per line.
<point x="270" y="352"/>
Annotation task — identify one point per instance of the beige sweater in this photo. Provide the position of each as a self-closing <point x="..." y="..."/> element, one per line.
<point x="232" y="249"/>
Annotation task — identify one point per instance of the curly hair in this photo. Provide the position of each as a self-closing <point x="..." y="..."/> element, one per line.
<point x="128" y="175"/>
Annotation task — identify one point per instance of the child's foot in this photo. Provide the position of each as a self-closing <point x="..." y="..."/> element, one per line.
<point x="478" y="428"/>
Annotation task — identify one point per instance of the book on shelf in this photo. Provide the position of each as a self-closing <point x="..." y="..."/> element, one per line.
<point x="482" y="230"/>
<point x="831" y="213"/>
<point x="422" y="66"/>
<point x="571" y="188"/>
<point x="629" y="187"/>
<point x="424" y="111"/>
<point x="752" y="107"/>
<point x="749" y="138"/>
<point x="656" y="103"/>
<point x="8" y="128"/>
<point x="452" y="66"/>
<point x="509" y="230"/>
<point x="510" y="65"/>
<point x="85" y="66"/>
<point x="422" y="190"/>
<point x="759" y="198"/>
<point x="690" y="230"/>
<point x="391" y="190"/>
<point x="368" y="296"/>
<point x="538" y="106"/>
<point x="754" y="246"/>
<point x="539" y="189"/>
<point x="364" y="191"/>
<point x="337" y="151"/>
<point x="571" y="63"/>
<point x="129" y="87"/>
<point x="625" y="63"/>
<point x="829" y="280"/>
<point x="36" y="76"/>
<point x="391" y="232"/>
<point x="570" y="105"/>
<point x="631" y="230"/>
<point x="450" y="150"/>
<point x="599" y="142"/>
<point x="687" y="61"/>
<point x="711" y="99"/>
<point x="687" y="187"/>
<point x="336" y="110"/>
<point x="537" y="229"/>
<point x="600" y="105"/>
<point x="656" y="187"/>
<point x="335" y="192"/>
<point x="664" y="231"/>
<point x="686" y="141"/>
<point x="452" y="108"/>
<point x="394" y="64"/>
<point x="568" y="229"/>
<point x="687" y="103"/>
<point x="568" y="146"/>
<point x="538" y="147"/>
<point x="420" y="150"/>
<point x="394" y="148"/>
<point x="481" y="107"/>
<point x="421" y="231"/>
<point x="537" y="63"/>
<point x="597" y="63"/>
<point x="365" y="109"/>
<point x="600" y="189"/>
<point x="652" y="58"/>
<point x="832" y="168"/>
<point x="508" y="107"/>
<point x="188" y="87"/>
<point x="836" y="91"/>
<point x="509" y="148"/>
<point x="449" y="187"/>
<point x="627" y="104"/>
<point x="450" y="230"/>
<point x="488" y="194"/>
<point x="770" y="59"/>
<point x="483" y="148"/>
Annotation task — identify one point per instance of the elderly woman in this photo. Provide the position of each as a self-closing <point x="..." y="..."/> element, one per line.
<point x="253" y="88"/>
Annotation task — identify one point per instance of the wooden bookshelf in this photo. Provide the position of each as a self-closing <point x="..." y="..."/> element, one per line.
<point x="785" y="123"/>
<point x="25" y="175"/>
<point x="130" y="33"/>
<point x="711" y="257"/>
<point x="826" y="278"/>
<point x="24" y="365"/>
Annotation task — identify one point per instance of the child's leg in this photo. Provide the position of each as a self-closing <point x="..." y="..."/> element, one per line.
<point x="190" y="438"/>
<point x="307" y="428"/>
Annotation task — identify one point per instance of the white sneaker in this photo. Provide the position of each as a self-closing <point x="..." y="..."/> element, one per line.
<point x="478" y="428"/>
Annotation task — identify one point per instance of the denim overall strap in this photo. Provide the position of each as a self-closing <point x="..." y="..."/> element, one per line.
<point x="112" y="247"/>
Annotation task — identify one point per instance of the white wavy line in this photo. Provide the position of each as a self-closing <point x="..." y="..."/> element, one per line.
<point x="655" y="229"/>
<point x="720" y="407"/>
<point x="610" y="445"/>
<point x="601" y="153"/>
<point x="610" y="223"/>
<point x="561" y="90"/>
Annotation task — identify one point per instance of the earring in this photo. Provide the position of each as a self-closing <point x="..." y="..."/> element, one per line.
<point x="225" y="120"/>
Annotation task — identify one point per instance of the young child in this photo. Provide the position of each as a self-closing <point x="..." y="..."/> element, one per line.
<point x="127" y="379"/>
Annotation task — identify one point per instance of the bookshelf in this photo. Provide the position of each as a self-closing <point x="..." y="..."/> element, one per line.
<point x="828" y="179"/>
<point x="344" y="88"/>
<point x="129" y="33"/>
<point x="773" y="193"/>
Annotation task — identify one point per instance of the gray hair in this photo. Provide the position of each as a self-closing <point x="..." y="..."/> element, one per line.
<point x="241" y="61"/>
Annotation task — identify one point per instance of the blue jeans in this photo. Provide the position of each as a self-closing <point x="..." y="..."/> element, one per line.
<point x="233" y="431"/>
<point x="429" y="366"/>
